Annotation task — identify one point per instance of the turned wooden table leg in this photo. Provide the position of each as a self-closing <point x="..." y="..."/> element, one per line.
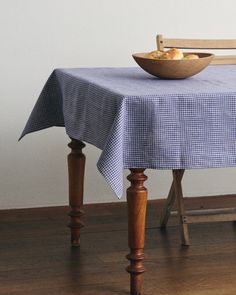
<point x="76" y="165"/>
<point x="137" y="203"/>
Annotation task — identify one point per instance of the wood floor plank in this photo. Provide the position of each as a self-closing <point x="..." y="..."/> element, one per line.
<point x="36" y="258"/>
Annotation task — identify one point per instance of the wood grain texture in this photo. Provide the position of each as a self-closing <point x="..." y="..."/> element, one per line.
<point x="199" y="43"/>
<point x="29" y="267"/>
<point x="76" y="166"/>
<point x="136" y="203"/>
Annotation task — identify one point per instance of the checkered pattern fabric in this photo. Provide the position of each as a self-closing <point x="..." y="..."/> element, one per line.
<point x="139" y="121"/>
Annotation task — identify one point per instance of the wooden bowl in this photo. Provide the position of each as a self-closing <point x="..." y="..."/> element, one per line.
<point x="173" y="69"/>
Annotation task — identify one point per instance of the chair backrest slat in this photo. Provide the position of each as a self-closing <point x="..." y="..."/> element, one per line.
<point x="224" y="44"/>
<point x="224" y="60"/>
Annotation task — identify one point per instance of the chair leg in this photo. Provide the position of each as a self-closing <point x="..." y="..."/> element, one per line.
<point x="177" y="177"/>
<point x="76" y="165"/>
<point x="169" y="204"/>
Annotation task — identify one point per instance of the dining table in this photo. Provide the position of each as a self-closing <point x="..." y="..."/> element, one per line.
<point x="138" y="122"/>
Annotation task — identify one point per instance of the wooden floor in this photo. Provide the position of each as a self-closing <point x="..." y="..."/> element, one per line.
<point x="36" y="259"/>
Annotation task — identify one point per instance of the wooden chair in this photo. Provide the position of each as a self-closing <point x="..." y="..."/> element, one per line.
<point x="194" y="216"/>
<point x="163" y="43"/>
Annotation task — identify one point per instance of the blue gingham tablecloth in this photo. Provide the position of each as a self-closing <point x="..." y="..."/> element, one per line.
<point x="139" y="121"/>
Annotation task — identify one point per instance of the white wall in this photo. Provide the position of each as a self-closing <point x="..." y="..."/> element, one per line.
<point x="38" y="36"/>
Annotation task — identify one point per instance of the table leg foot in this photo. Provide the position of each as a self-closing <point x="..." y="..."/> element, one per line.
<point x="76" y="166"/>
<point x="137" y="204"/>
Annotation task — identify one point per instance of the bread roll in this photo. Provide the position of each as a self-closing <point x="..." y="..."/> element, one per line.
<point x="165" y="55"/>
<point x="175" y="53"/>
<point x="155" y="54"/>
<point x="171" y="54"/>
<point x="191" y="56"/>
